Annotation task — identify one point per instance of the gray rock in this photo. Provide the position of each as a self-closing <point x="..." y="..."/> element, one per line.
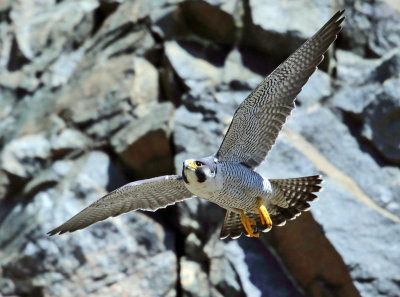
<point x="389" y="66"/>
<point x="25" y="156"/>
<point x="18" y="79"/>
<point x="222" y="274"/>
<point x="62" y="69"/>
<point x="165" y="23"/>
<point x="113" y="1"/>
<point x="96" y="259"/>
<point x="119" y="79"/>
<point x="32" y="114"/>
<point x="372" y="97"/>
<point x="382" y="120"/>
<point x="234" y="71"/>
<point x="275" y="21"/>
<point x="193" y="279"/>
<point x="354" y="163"/>
<point x="36" y="23"/>
<point x="200" y="21"/>
<point x="317" y="88"/>
<point x="339" y="210"/>
<point x="69" y="139"/>
<point x="110" y="42"/>
<point x="251" y="262"/>
<point x="353" y="69"/>
<point x="213" y="20"/>
<point x="7" y="102"/>
<point x="355" y="99"/>
<point x="193" y="247"/>
<point x="103" y="127"/>
<point x="358" y="249"/>
<point x="4" y="185"/>
<point x="196" y="72"/>
<point x="6" y="38"/>
<point x="359" y="241"/>
<point x="124" y="31"/>
<point x="144" y="144"/>
<point x="234" y="8"/>
<point x="372" y="27"/>
<point x="191" y="128"/>
<point x="5" y="5"/>
<point x="48" y="177"/>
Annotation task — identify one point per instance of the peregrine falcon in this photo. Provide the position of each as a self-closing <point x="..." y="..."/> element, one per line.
<point x="253" y="203"/>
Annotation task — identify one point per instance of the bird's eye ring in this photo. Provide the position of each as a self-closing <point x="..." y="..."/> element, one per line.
<point x="198" y="163"/>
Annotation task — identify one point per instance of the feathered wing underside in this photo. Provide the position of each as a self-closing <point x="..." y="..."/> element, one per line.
<point x="291" y="197"/>
<point x="258" y="120"/>
<point x="148" y="194"/>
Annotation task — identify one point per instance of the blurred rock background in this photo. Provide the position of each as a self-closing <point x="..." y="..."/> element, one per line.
<point x="97" y="93"/>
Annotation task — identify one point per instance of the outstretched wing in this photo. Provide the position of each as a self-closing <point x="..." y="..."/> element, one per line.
<point x="148" y="194"/>
<point x="258" y="120"/>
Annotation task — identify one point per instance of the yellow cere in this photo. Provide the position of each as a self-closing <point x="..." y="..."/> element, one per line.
<point x="192" y="164"/>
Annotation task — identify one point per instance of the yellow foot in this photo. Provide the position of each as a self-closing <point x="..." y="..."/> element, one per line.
<point x="247" y="223"/>
<point x="264" y="215"/>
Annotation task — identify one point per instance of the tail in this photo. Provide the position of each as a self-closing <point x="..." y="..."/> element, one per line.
<point x="291" y="198"/>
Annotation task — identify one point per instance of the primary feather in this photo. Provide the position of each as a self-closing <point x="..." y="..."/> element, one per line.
<point x="259" y="119"/>
<point x="149" y="194"/>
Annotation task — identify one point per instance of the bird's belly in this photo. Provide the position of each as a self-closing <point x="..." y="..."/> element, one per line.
<point x="237" y="188"/>
<point x="236" y="202"/>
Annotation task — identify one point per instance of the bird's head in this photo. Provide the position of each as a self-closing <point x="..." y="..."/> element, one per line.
<point x="199" y="170"/>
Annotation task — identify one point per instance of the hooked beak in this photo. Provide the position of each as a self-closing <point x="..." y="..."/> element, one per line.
<point x="189" y="165"/>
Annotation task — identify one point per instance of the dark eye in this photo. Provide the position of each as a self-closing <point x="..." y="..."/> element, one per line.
<point x="199" y="164"/>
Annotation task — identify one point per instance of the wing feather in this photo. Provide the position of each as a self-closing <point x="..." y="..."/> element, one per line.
<point x="259" y="119"/>
<point x="148" y="194"/>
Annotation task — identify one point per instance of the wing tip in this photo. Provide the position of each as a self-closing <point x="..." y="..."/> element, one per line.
<point x="340" y="17"/>
<point x="56" y="231"/>
<point x="61" y="230"/>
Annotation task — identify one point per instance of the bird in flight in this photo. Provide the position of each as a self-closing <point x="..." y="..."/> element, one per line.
<point x="253" y="203"/>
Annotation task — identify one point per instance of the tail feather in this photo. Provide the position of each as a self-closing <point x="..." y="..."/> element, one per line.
<point x="232" y="226"/>
<point x="297" y="192"/>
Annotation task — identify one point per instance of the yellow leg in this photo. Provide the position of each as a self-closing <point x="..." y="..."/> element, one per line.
<point x="247" y="223"/>
<point x="264" y="215"/>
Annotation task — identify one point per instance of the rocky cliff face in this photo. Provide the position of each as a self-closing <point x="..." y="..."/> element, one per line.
<point x="96" y="93"/>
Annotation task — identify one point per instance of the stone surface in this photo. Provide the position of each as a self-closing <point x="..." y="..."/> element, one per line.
<point x="213" y="20"/>
<point x="193" y="69"/>
<point x="115" y="84"/>
<point x="193" y="279"/>
<point x="276" y="22"/>
<point x="99" y="259"/>
<point x="25" y="156"/>
<point x="373" y="101"/>
<point x="353" y="69"/>
<point x="317" y="89"/>
<point x="382" y="120"/>
<point x="39" y="21"/>
<point x="372" y="29"/>
<point x="144" y="144"/>
<point x="4" y="185"/>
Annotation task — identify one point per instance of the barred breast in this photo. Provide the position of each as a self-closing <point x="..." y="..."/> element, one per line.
<point x="240" y="187"/>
